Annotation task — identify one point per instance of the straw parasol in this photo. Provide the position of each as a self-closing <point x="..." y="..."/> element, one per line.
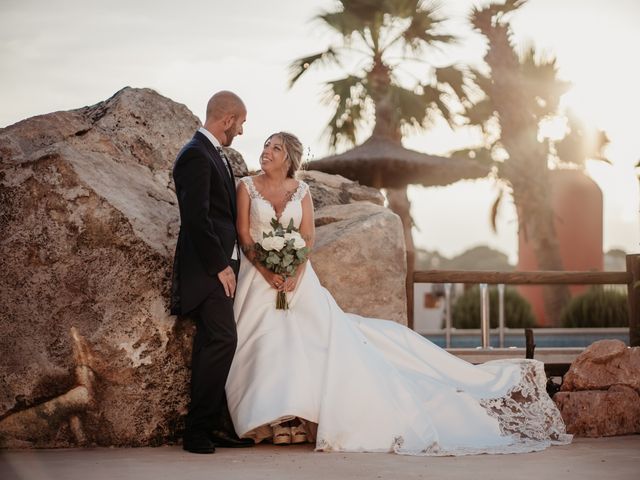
<point x="383" y="162"/>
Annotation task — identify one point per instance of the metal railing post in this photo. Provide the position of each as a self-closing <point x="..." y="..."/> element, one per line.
<point x="447" y="321"/>
<point x="501" y="313"/>
<point x="633" y="297"/>
<point x="484" y="315"/>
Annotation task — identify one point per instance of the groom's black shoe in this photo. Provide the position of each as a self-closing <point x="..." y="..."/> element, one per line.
<point x="224" y="439"/>
<point x="197" y="442"/>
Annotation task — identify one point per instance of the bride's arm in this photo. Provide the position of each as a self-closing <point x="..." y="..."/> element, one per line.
<point x="242" y="223"/>
<point x="308" y="232"/>
<point x="307" y="224"/>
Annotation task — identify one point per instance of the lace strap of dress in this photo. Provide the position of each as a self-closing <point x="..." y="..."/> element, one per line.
<point x="248" y="182"/>
<point x="300" y="192"/>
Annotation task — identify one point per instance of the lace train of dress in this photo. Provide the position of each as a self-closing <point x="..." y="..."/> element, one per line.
<point x="371" y="385"/>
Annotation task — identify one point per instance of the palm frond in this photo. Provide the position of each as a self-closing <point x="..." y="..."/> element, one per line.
<point x="541" y="82"/>
<point x="411" y="107"/>
<point x="348" y="96"/>
<point x="434" y="98"/>
<point x="454" y="78"/>
<point x="482" y="81"/>
<point x="365" y="11"/>
<point x="343" y="22"/>
<point x="301" y="65"/>
<point x="480" y="112"/>
<point x="511" y="5"/>
<point x="423" y="29"/>
<point x="492" y="15"/>
<point x="401" y="8"/>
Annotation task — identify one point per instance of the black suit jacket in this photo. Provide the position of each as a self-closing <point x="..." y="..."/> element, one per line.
<point x="207" y="200"/>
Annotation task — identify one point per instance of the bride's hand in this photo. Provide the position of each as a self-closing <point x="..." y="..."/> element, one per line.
<point x="291" y="282"/>
<point x="273" y="279"/>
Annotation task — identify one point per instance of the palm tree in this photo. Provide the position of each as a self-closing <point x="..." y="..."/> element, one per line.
<point x="520" y="92"/>
<point x="383" y="35"/>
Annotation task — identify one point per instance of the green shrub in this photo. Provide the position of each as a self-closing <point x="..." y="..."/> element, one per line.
<point x="598" y="307"/>
<point x="465" y="313"/>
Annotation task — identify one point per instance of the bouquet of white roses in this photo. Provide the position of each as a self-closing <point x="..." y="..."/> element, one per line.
<point x="282" y="250"/>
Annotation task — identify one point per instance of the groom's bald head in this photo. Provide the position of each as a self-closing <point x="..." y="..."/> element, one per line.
<point x="224" y="103"/>
<point x="225" y="115"/>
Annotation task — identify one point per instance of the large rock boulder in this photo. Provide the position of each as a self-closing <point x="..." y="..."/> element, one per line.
<point x="600" y="392"/>
<point x="600" y="413"/>
<point x="89" y="222"/>
<point x="360" y="258"/>
<point x="360" y="252"/>
<point x="90" y="355"/>
<point x="603" y="364"/>
<point x="329" y="189"/>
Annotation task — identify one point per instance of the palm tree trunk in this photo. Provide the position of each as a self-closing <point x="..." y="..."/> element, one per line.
<point x="399" y="203"/>
<point x="537" y="221"/>
<point x="387" y="124"/>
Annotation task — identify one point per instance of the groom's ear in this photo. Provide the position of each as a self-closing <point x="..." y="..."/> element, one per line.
<point x="229" y="120"/>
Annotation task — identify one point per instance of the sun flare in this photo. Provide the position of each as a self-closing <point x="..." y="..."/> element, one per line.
<point x="582" y="101"/>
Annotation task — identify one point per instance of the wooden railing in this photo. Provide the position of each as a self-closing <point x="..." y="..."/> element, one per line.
<point x="630" y="277"/>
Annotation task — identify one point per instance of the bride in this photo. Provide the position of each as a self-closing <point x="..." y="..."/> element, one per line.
<point x="354" y="384"/>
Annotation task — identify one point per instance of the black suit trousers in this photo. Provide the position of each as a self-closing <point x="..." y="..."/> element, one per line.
<point x="214" y="345"/>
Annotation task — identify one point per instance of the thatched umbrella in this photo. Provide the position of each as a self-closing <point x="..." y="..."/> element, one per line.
<point x="384" y="163"/>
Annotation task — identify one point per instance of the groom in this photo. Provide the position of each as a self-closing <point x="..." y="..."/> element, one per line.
<point x="205" y="268"/>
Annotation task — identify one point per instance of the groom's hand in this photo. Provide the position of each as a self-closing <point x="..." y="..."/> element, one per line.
<point x="228" y="280"/>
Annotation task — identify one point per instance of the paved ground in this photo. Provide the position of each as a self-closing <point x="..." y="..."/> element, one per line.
<point x="585" y="459"/>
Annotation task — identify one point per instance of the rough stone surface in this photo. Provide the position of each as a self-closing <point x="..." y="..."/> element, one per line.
<point x="599" y="394"/>
<point x="89" y="220"/>
<point x="359" y="256"/>
<point x="603" y="364"/>
<point x="238" y="165"/>
<point x="88" y="224"/>
<point x="329" y="189"/>
<point x="600" y="413"/>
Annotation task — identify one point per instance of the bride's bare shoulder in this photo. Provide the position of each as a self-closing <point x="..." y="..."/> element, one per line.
<point x="257" y="179"/>
<point x="291" y="184"/>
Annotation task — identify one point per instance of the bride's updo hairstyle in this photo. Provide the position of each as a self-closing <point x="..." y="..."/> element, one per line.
<point x="293" y="149"/>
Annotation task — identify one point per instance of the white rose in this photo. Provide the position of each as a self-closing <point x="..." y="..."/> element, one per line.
<point x="278" y="243"/>
<point x="291" y="236"/>
<point x="267" y="243"/>
<point x="298" y="242"/>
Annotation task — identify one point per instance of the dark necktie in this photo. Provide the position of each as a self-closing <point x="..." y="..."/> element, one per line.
<point x="225" y="160"/>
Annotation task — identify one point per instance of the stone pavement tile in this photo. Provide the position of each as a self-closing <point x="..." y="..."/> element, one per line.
<point x="602" y="458"/>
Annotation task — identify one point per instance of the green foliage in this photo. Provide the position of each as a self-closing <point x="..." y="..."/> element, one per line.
<point x="283" y="259"/>
<point x="596" y="308"/>
<point x="517" y="311"/>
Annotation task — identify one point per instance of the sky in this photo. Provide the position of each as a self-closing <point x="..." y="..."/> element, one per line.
<point x="65" y="54"/>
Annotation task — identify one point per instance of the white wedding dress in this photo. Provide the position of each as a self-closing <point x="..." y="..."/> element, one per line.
<point x="371" y="385"/>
